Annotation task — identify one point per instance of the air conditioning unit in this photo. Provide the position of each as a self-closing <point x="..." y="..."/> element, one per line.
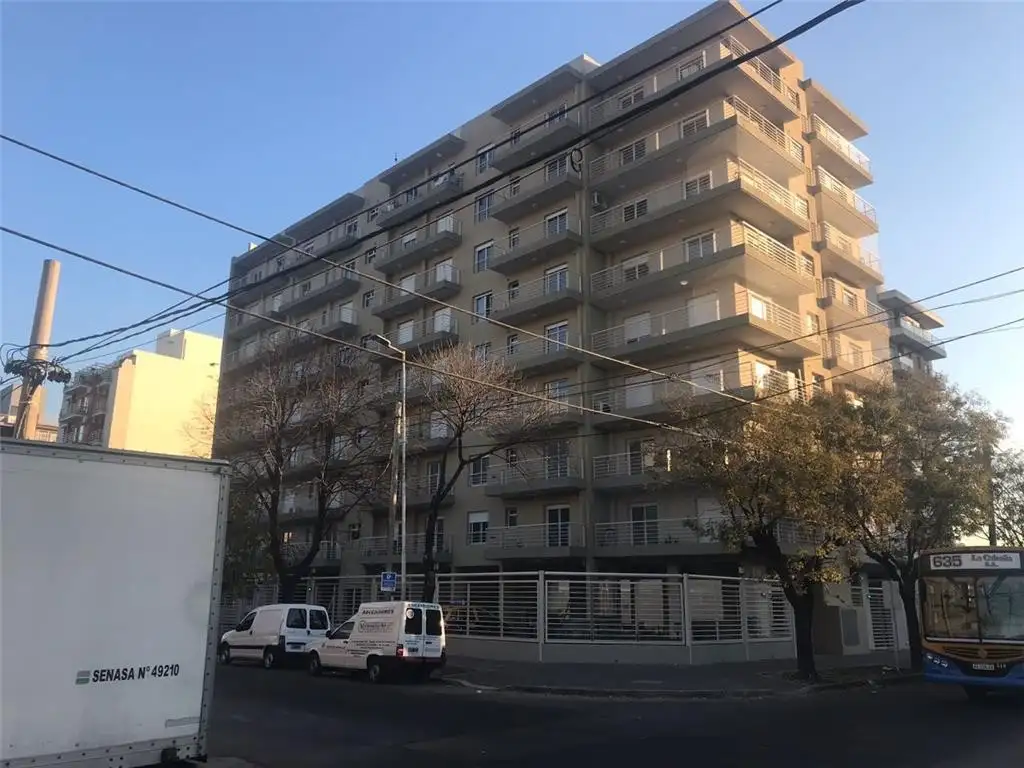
<point x="597" y="202"/>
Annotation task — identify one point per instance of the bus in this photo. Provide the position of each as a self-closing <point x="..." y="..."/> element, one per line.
<point x="971" y="604"/>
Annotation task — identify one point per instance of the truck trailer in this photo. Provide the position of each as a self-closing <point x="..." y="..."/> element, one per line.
<point x="110" y="576"/>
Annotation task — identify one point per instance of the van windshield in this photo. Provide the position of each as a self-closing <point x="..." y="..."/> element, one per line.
<point x="414" y="621"/>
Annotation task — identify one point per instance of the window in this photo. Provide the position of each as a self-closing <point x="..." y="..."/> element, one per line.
<point x="556" y="279"/>
<point x="557" y="167"/>
<point x="511" y="517"/>
<point x="636" y="267"/>
<point x="444" y="271"/>
<point x="633" y="152"/>
<point x="556" y="223"/>
<point x="558" y="115"/>
<point x="699" y="246"/>
<point x="484" y="156"/>
<point x="318" y="620"/>
<point x="812" y="323"/>
<point x="409" y="238"/>
<point x="296" y="618"/>
<point x="405" y="331"/>
<point x="558" y="526"/>
<point x="370" y="255"/>
<point x="513" y="290"/>
<point x="688" y="126"/>
<point x="513" y="238"/>
<point x="637" y="327"/>
<point x="343" y="632"/>
<point x="445" y="222"/>
<point x="372" y="214"/>
<point x="697" y="185"/>
<point x="435" y="626"/>
<point x="246" y="623"/>
<point x="644" y="519"/>
<point x="414" y="621"/>
<point x="368" y="299"/>
<point x="482" y="305"/>
<point x="690" y="67"/>
<point x="354" y="531"/>
<point x="511" y="344"/>
<point x="482" y="209"/>
<point x="476" y="527"/>
<point x="511" y="456"/>
<point x="557" y="390"/>
<point x="557" y="335"/>
<point x="442" y="321"/>
<point x="482" y="256"/>
<point x="482" y="351"/>
<point x="634" y="210"/>
<point x="346" y="313"/>
<point x="433" y="476"/>
<point x="633" y="96"/>
<point x="412" y="194"/>
<point x="514" y="183"/>
<point x="478" y="470"/>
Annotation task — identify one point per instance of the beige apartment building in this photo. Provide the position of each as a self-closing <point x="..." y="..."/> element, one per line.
<point x="157" y="402"/>
<point x="718" y="237"/>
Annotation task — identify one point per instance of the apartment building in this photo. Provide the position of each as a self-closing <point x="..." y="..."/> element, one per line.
<point x="10" y="407"/>
<point x="718" y="237"/>
<point x="158" y="402"/>
<point x="911" y="341"/>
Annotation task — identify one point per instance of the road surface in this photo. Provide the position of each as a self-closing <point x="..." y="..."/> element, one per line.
<point x="284" y="719"/>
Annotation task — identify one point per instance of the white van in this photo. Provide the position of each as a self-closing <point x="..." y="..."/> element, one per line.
<point x="274" y="634"/>
<point x="384" y="639"/>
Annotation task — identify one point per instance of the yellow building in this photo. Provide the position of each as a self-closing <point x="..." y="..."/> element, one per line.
<point x="147" y="401"/>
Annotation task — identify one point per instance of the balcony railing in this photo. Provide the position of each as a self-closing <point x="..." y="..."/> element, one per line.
<point x="542" y="536"/>
<point x="415" y="331"/>
<point x="535" y="234"/>
<point x="840" y="242"/>
<point x="522" y="188"/>
<point x="630" y="464"/>
<point x="695" y="313"/>
<point x="855" y="359"/>
<point x="771" y="250"/>
<point x="295" y="551"/>
<point x="558" y="467"/>
<point x="762" y="71"/>
<point x="551" y="284"/>
<point x="424" y="281"/>
<point x="425" y="431"/>
<point x="525" y="350"/>
<point x="786" y="322"/>
<point x="919" y="333"/>
<point x="751" y="180"/>
<point x="704" y="529"/>
<point x="840" y="145"/>
<point x="841" y="295"/>
<point x="628" y="396"/>
<point x="851" y="199"/>
<point x="385" y="546"/>
<point x="733" y="106"/>
<point x="414" y="240"/>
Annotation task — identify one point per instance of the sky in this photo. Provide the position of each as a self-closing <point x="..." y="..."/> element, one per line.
<point x="262" y="112"/>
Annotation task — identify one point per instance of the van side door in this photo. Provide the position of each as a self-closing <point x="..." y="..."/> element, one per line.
<point x="240" y="639"/>
<point x="335" y="651"/>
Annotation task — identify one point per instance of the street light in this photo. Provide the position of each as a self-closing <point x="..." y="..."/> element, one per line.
<point x="403" y="439"/>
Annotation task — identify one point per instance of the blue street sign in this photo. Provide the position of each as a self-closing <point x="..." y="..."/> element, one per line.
<point x="388" y="581"/>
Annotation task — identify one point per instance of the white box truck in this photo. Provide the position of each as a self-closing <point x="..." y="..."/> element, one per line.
<point x="110" y="576"/>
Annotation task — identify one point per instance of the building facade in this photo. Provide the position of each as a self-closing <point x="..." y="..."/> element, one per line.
<point x="157" y="402"/>
<point x="911" y="341"/>
<point x="10" y="407"/>
<point x="717" y="237"/>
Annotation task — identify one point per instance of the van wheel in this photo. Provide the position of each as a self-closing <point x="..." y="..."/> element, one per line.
<point x="269" y="658"/>
<point x="224" y="654"/>
<point x="374" y="670"/>
<point x="314" y="664"/>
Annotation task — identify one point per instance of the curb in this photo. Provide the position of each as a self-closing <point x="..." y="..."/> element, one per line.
<point x="696" y="695"/>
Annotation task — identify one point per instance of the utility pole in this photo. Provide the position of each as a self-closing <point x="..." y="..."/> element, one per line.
<point x="993" y="534"/>
<point x="42" y="326"/>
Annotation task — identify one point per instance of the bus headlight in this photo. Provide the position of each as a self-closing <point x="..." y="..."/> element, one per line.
<point x="938" y="661"/>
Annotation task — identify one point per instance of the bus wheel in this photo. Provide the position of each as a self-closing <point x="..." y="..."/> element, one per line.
<point x="975" y="693"/>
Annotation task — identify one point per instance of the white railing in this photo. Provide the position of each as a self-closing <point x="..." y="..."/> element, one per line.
<point x="552" y="284"/>
<point x="421" y="328"/>
<point x="525" y="350"/>
<point x="295" y="551"/>
<point x="842" y="243"/>
<point x="528" y="237"/>
<point x="314" y="284"/>
<point x="545" y="468"/>
<point x="424" y="281"/>
<point x="430" y="430"/>
<point x="629" y="464"/>
<point x="840" y="145"/>
<point x="521" y="188"/>
<point x="767" y="311"/>
<point x="411" y="241"/>
<point x="543" y="535"/>
<point x="424" y="487"/>
<point x="444" y="181"/>
<point x="696" y="312"/>
<point x="628" y="396"/>
<point x="751" y="180"/>
<point x="762" y="71"/>
<point x="385" y="546"/>
<point x="536" y="127"/>
<point x="851" y="199"/>
<point x="747" y="117"/>
<point x="862" y="361"/>
<point x="919" y="333"/>
<point x="843" y="295"/>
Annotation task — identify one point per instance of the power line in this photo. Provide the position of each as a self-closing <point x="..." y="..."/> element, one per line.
<point x="586" y="138"/>
<point x="124" y="350"/>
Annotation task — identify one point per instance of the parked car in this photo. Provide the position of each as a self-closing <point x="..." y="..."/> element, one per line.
<point x="383" y="640"/>
<point x="274" y="634"/>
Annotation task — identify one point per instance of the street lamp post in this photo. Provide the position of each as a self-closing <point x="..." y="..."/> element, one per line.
<point x="403" y="441"/>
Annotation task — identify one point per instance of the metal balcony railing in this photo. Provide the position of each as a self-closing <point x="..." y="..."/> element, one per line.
<point x="527" y="237"/>
<point x="556" y="467"/>
<point x="786" y="321"/>
<point x="835" y="140"/>
<point x="551" y="284"/>
<point x="407" y="334"/>
<point x="523" y="350"/>
<point x="629" y="464"/>
<point x="919" y="333"/>
<point x="762" y="71"/>
<point x="840" y="242"/>
<point x="442" y="273"/>
<point x="845" y="296"/>
<point x="542" y="535"/>
<point x="416" y="238"/>
<point x="696" y="312"/>
<point x="535" y="127"/>
<point x="553" y="170"/>
<point x="384" y="546"/>
<point x="851" y="199"/>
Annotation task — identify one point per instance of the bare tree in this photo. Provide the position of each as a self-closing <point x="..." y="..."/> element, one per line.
<point x="479" y="420"/>
<point x="1008" y="497"/>
<point x="299" y="419"/>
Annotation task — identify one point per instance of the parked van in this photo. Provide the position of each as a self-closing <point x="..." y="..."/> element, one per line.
<point x="274" y="634"/>
<point x="383" y="640"/>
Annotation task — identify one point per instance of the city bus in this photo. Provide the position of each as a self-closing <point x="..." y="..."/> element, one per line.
<point x="971" y="604"/>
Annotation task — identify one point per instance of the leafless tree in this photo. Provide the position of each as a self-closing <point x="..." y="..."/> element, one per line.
<point x="298" y="419"/>
<point x="1008" y="497"/>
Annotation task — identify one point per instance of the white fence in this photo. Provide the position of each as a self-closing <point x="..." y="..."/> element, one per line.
<point x="601" y="617"/>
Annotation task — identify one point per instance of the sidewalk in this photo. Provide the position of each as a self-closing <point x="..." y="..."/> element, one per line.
<point x="745" y="680"/>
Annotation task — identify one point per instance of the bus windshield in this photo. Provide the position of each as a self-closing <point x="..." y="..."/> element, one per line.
<point x="975" y="608"/>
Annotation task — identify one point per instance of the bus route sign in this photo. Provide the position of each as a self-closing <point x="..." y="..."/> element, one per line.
<point x="975" y="561"/>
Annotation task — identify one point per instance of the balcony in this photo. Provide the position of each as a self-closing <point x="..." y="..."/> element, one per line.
<point x="730" y="127"/>
<point x="844" y="257"/>
<point x="552" y="238"/>
<point x="841" y="205"/>
<point x="554" y="293"/>
<point x="421" y="336"/>
<point x="436" y="239"/>
<point x="428" y="436"/>
<point x="442" y="283"/>
<point x="699" y="325"/>
<point x="308" y="261"/>
<point x="847" y="163"/>
<point x="540" y="191"/>
<point x="675" y="536"/>
<point x="536" y="357"/>
<point x="532" y="542"/>
<point x="537" y="140"/>
<point x="335" y="283"/>
<point x="630" y="471"/>
<point x="530" y="478"/>
<point x="329" y="552"/>
<point x="342" y="323"/>
<point x="821" y="102"/>
<point x="420" y="490"/>
<point x="854" y="364"/>
<point x="652" y="400"/>
<point x="750" y="257"/>
<point x="263" y="314"/>
<point x="844" y="306"/>
<point x="377" y="550"/>
<point x="906" y="333"/>
<point x="754" y="81"/>
<point x="414" y="202"/>
<point x="745" y="192"/>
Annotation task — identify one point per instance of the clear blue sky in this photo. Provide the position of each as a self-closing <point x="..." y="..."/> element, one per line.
<point x="262" y="112"/>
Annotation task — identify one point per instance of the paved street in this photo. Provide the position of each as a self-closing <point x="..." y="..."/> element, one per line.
<point x="284" y="719"/>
